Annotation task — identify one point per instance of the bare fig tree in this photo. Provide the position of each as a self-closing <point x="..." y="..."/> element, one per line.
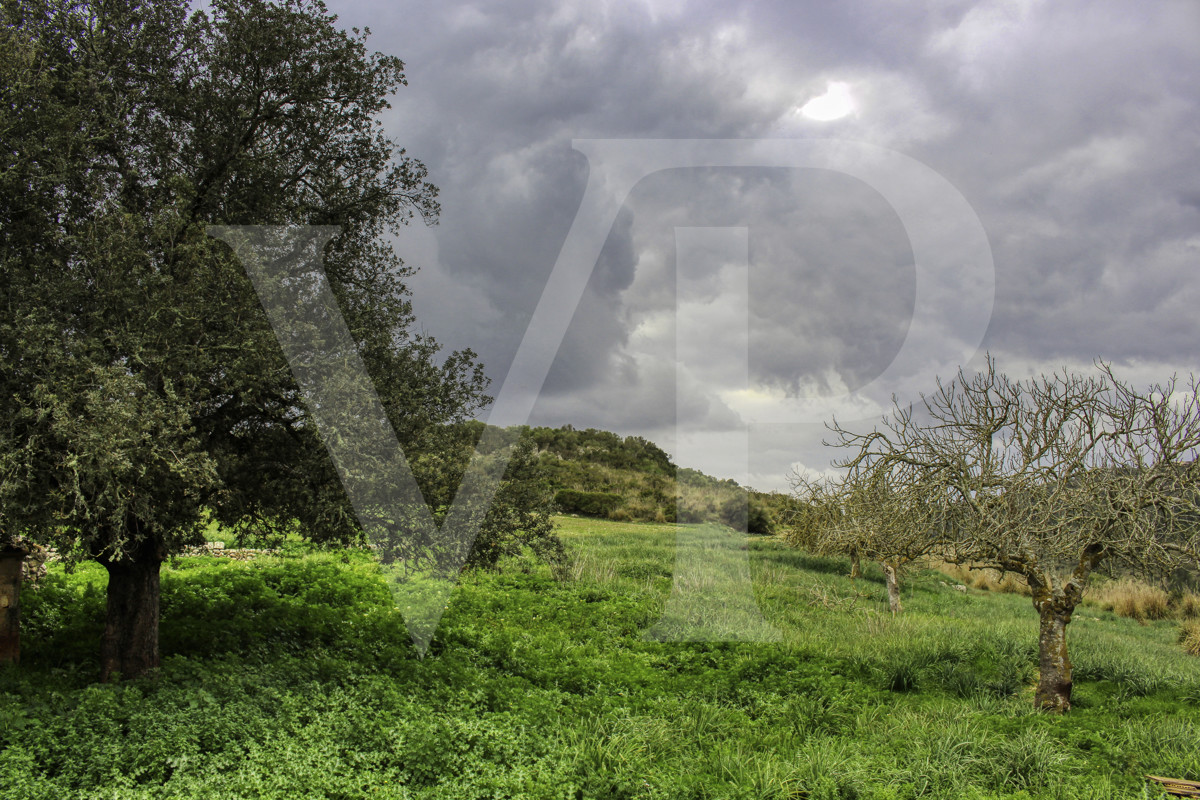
<point x="1047" y="478"/>
<point x="865" y="515"/>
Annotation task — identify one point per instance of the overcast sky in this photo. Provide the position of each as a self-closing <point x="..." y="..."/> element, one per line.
<point x="1069" y="130"/>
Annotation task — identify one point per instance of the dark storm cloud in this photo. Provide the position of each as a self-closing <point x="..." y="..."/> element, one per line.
<point x="1072" y="129"/>
<point x="821" y="293"/>
<point x="1079" y="130"/>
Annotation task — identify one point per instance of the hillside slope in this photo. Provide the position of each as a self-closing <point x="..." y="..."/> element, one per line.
<point x="601" y="474"/>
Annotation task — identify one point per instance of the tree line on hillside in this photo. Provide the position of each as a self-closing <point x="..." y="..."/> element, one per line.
<point x="601" y="474"/>
<point x="1052" y="478"/>
<point x="603" y="447"/>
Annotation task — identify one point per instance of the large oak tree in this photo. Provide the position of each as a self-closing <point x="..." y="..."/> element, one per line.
<point x="141" y="386"/>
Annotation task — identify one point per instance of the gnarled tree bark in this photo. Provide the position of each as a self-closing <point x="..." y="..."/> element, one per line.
<point x="10" y="597"/>
<point x="1054" y="665"/>
<point x="893" y="587"/>
<point x="130" y="643"/>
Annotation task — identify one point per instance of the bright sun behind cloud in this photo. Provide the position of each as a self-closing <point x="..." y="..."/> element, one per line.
<point x="836" y="103"/>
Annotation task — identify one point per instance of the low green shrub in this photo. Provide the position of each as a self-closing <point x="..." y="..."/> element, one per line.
<point x="589" y="504"/>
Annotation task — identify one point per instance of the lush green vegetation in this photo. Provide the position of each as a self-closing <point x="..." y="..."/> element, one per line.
<point x="291" y="676"/>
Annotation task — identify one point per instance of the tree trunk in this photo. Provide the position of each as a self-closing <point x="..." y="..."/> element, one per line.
<point x="130" y="644"/>
<point x="855" y="566"/>
<point x="10" y="606"/>
<point x="1054" y="667"/>
<point x="893" y="587"/>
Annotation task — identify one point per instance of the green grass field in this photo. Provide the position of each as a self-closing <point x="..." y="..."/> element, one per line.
<point x="291" y="677"/>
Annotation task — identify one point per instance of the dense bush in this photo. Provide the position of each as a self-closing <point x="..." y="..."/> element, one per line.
<point x="744" y="511"/>
<point x="589" y="504"/>
<point x="516" y="517"/>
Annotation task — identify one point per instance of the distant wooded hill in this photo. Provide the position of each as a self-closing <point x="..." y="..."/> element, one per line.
<point x="601" y="474"/>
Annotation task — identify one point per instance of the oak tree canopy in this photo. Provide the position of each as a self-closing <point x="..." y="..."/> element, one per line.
<point x="141" y="386"/>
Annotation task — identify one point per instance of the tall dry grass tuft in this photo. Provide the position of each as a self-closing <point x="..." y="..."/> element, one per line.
<point x="1126" y="597"/>
<point x="1188" y="606"/>
<point x="1131" y="598"/>
<point x="988" y="580"/>
<point x="1189" y="637"/>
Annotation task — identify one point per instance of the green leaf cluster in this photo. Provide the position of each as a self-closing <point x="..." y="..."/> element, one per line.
<point x="141" y="386"/>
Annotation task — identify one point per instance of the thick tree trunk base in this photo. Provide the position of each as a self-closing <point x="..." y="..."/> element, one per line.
<point x="10" y="605"/>
<point x="1054" y="667"/>
<point x="893" y="588"/>
<point x="130" y="645"/>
